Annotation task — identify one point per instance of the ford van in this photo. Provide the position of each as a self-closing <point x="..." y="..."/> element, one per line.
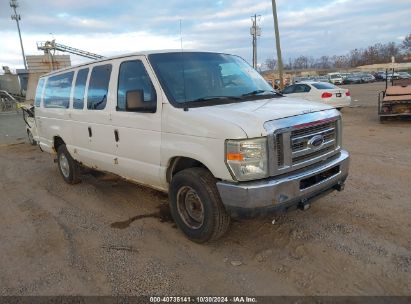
<point x="204" y="127"/>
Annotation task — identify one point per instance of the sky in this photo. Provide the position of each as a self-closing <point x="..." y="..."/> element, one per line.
<point x="111" y="27"/>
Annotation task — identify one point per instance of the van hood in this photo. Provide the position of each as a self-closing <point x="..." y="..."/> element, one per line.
<point x="235" y="119"/>
<point x="251" y="115"/>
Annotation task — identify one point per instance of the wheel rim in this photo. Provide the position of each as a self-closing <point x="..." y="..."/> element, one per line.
<point x="64" y="165"/>
<point x="190" y="207"/>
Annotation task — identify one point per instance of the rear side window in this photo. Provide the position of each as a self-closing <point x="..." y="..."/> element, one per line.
<point x="98" y="87"/>
<point x="133" y="76"/>
<point x="79" y="89"/>
<point x="324" y="86"/>
<point x="57" y="92"/>
<point x="302" y="88"/>
<point x="39" y="92"/>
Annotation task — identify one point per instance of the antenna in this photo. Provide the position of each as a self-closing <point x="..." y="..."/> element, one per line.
<point x="181" y="37"/>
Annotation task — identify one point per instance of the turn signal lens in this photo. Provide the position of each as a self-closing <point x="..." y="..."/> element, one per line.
<point x="235" y="156"/>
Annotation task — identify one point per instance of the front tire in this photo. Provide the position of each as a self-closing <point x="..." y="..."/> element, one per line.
<point x="196" y="205"/>
<point x="68" y="167"/>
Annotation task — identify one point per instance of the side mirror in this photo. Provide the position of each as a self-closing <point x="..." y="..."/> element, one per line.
<point x="134" y="100"/>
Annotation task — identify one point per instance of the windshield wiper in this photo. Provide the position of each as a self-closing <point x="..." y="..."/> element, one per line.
<point x="212" y="98"/>
<point x="259" y="92"/>
<point x="209" y="101"/>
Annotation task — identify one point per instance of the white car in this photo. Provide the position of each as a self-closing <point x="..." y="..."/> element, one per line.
<point x="320" y="92"/>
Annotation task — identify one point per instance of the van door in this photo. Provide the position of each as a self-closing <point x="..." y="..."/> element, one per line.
<point x="80" y="149"/>
<point x="91" y="117"/>
<point x="136" y="128"/>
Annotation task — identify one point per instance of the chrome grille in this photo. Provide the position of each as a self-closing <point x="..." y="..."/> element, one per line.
<point x="280" y="150"/>
<point x="300" y="139"/>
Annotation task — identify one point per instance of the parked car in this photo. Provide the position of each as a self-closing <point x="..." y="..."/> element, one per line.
<point x="299" y="79"/>
<point x="320" y="79"/>
<point x="352" y="79"/>
<point x="320" y="92"/>
<point x="335" y="78"/>
<point x="366" y="78"/>
<point x="204" y="127"/>
<point x="379" y="76"/>
<point x="404" y="75"/>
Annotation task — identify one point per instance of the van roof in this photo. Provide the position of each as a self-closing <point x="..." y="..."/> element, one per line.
<point x="144" y="53"/>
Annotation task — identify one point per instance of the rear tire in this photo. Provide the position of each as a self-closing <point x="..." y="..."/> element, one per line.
<point x="68" y="167"/>
<point x="196" y="205"/>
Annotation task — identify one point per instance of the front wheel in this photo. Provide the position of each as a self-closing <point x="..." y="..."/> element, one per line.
<point x="196" y="205"/>
<point x="68" y="167"/>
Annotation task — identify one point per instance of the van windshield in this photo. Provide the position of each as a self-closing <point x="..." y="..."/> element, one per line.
<point x="192" y="79"/>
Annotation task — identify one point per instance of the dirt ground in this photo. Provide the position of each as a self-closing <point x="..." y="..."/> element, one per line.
<point x="58" y="239"/>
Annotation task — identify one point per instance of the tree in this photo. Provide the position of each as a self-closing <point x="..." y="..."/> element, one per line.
<point x="406" y="44"/>
<point x="324" y="62"/>
<point x="270" y="64"/>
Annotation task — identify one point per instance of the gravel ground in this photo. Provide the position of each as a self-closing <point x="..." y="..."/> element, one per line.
<point x="109" y="237"/>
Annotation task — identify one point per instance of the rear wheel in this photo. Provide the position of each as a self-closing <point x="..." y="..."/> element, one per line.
<point x="383" y="119"/>
<point x="196" y="205"/>
<point x="68" y="167"/>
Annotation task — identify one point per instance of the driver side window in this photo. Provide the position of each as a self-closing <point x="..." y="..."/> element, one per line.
<point x="133" y="77"/>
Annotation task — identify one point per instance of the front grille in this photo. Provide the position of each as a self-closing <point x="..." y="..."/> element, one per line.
<point x="280" y="150"/>
<point x="312" y="129"/>
<point x="300" y="138"/>
<point x="306" y="157"/>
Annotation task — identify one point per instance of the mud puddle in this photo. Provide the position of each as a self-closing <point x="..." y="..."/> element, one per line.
<point x="163" y="214"/>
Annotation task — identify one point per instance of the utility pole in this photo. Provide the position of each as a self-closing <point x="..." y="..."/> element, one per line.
<point x="14" y="5"/>
<point x="278" y="45"/>
<point x="255" y="31"/>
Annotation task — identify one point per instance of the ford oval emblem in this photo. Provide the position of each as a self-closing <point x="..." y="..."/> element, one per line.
<point x="316" y="141"/>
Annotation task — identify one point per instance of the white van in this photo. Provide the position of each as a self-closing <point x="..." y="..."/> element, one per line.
<point x="335" y="78"/>
<point x="204" y="127"/>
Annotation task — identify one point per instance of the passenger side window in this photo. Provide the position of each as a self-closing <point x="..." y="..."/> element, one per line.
<point x="57" y="92"/>
<point x="98" y="87"/>
<point x="289" y="89"/>
<point x="39" y="92"/>
<point x="133" y="80"/>
<point x="79" y="89"/>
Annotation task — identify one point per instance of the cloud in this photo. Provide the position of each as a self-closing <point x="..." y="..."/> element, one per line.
<point x="313" y="28"/>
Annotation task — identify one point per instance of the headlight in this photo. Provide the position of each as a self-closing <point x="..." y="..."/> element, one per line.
<point x="247" y="159"/>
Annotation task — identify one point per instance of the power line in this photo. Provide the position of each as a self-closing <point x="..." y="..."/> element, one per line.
<point x="14" y="4"/>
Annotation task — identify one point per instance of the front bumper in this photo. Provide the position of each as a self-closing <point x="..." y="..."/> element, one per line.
<point x="263" y="197"/>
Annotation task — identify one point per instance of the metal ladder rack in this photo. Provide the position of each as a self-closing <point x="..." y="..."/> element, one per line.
<point x="46" y="46"/>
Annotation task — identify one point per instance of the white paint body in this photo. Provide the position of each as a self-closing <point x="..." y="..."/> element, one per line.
<point x="149" y="141"/>
<point x="339" y="98"/>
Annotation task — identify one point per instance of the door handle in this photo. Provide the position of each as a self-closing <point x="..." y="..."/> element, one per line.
<point x="116" y="136"/>
<point x="90" y="133"/>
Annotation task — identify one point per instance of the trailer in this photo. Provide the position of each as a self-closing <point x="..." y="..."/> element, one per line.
<point x="395" y="101"/>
